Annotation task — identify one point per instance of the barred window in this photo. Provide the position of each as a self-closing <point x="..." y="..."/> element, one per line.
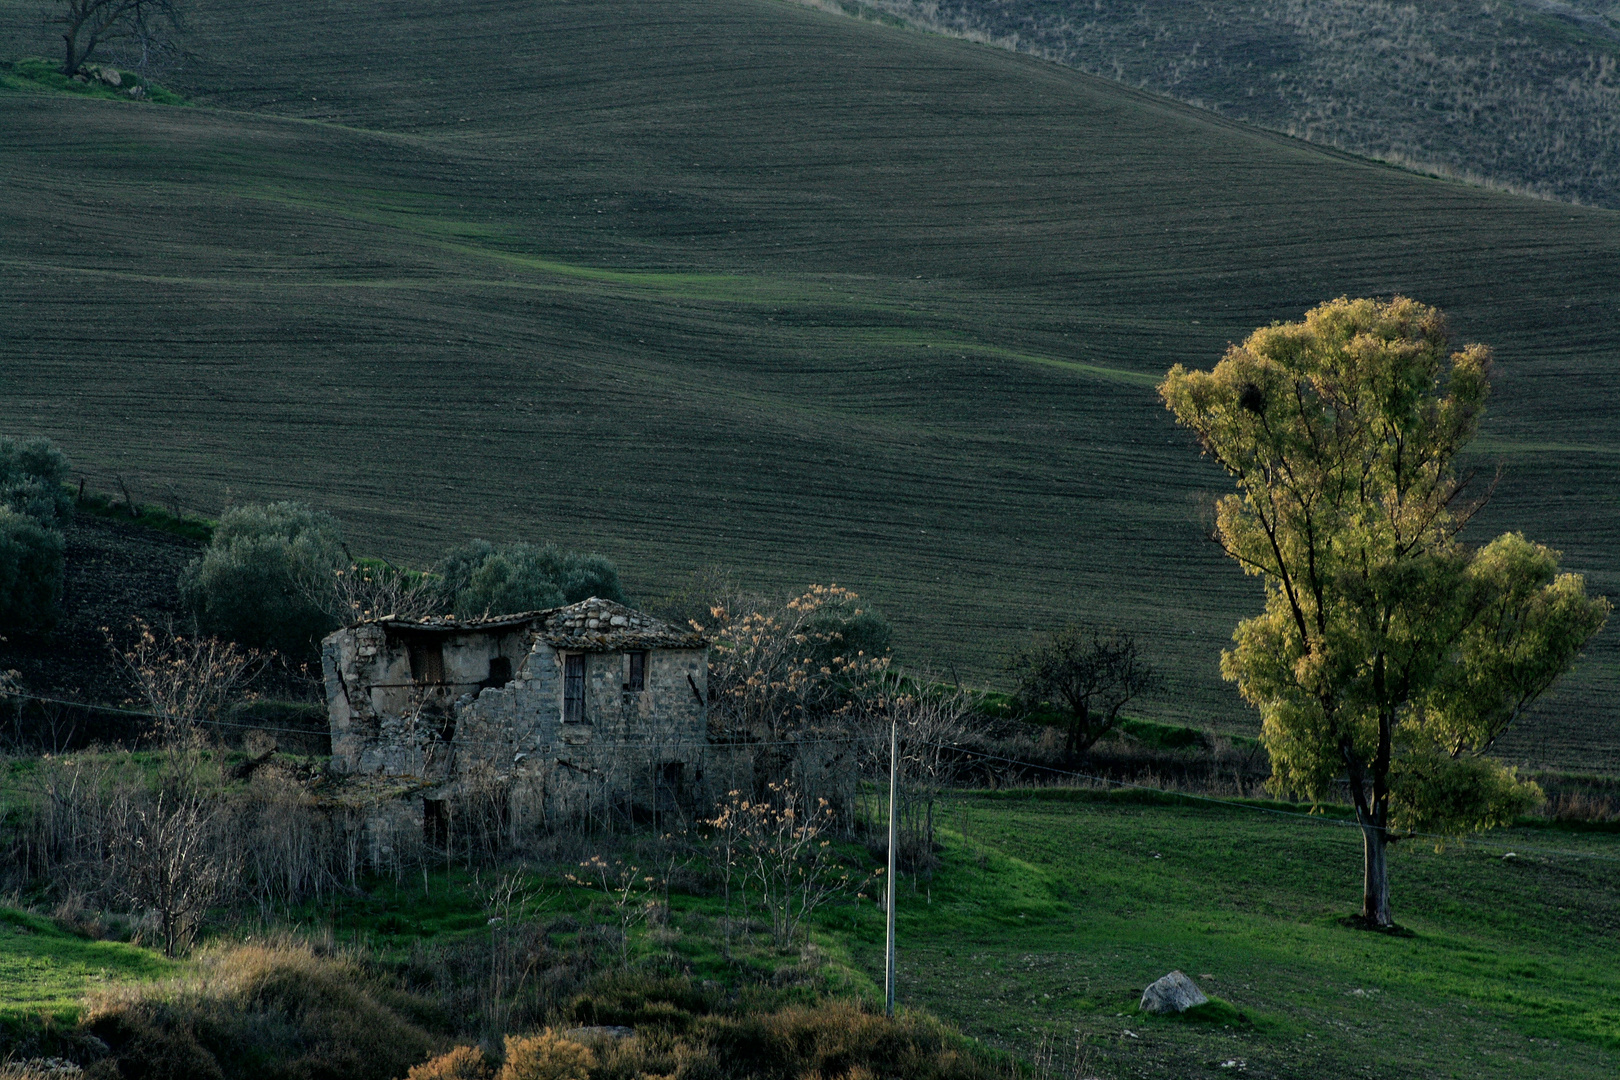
<point x="574" y="688"/>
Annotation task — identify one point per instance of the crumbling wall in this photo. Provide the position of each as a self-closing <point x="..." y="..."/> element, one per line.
<point x="480" y="711"/>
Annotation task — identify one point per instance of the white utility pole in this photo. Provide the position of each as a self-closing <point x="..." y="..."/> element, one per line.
<point x="894" y="791"/>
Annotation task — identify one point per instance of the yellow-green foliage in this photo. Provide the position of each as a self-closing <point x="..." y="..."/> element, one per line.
<point x="1340" y="432"/>
<point x="1436" y="793"/>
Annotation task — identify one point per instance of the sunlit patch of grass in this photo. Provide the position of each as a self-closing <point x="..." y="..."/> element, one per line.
<point x="1252" y="907"/>
<point x="45" y="971"/>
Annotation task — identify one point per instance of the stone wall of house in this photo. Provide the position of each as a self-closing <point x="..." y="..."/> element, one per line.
<point x="474" y="712"/>
<point x="629" y="744"/>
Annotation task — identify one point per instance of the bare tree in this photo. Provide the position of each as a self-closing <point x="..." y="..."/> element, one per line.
<point x="778" y="853"/>
<point x="934" y="721"/>
<point x="184" y="681"/>
<point x="1086" y="673"/>
<point x="152" y="25"/>
<point x="356" y="592"/>
<point x="167" y="858"/>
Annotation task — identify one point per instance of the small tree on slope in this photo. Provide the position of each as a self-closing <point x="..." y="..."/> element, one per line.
<point x="1388" y="652"/>
<point x="88" y="24"/>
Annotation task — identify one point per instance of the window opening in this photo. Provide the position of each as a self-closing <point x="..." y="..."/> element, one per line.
<point x="427" y="661"/>
<point x="435" y="822"/>
<point x="574" y="688"/>
<point x="638" y="673"/>
<point x="500" y="671"/>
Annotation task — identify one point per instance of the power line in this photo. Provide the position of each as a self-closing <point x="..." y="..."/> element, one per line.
<point x="820" y="741"/>
<point x="1314" y="819"/>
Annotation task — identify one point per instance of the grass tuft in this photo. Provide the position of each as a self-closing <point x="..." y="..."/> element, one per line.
<point x="33" y="72"/>
<point x="175" y="523"/>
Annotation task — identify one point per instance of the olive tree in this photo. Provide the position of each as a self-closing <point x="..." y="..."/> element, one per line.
<point x="251" y="584"/>
<point x="480" y="578"/>
<point x="1390" y="653"/>
<point x="31" y="569"/>
<point x="33" y="476"/>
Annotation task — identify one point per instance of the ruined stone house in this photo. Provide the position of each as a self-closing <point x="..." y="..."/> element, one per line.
<point x="592" y="704"/>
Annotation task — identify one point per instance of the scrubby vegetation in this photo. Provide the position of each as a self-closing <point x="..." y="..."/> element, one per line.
<point x="30" y="572"/>
<point x="33" y="506"/>
<point x="253" y="583"/>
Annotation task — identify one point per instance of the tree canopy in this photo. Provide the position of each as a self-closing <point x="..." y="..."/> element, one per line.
<point x="1086" y="673"/>
<point x="151" y="26"/>
<point x="1389" y="652"/>
<point x="253" y="584"/>
<point x="479" y="578"/>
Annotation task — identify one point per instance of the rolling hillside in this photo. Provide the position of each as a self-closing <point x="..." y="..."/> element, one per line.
<point x="744" y="282"/>
<point x="1521" y="94"/>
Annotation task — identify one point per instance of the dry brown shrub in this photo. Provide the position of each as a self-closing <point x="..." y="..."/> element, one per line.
<point x="837" y="1039"/>
<point x="462" y="1063"/>
<point x="546" y="1056"/>
<point x="271" y="1011"/>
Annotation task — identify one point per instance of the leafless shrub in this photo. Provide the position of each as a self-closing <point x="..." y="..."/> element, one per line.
<point x="509" y="902"/>
<point x="934" y="721"/>
<point x="628" y="890"/>
<point x="184" y="681"/>
<point x="359" y="591"/>
<point x="776" y="856"/>
<point x="166" y="859"/>
<point x="106" y="829"/>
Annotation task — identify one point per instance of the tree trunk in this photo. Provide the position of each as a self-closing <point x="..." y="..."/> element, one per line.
<point x="1375" y="888"/>
<point x="1372" y="814"/>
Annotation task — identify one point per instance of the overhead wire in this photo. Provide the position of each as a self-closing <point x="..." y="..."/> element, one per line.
<point x="1310" y="818"/>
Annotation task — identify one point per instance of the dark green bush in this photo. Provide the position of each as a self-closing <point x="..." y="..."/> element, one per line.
<point x="639" y="1000"/>
<point x="260" y="580"/>
<point x="33" y="473"/>
<point x="480" y="578"/>
<point x="30" y="572"/>
<point x="845" y="630"/>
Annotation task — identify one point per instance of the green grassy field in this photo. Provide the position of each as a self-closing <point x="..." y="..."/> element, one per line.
<point x="45" y="972"/>
<point x="745" y="283"/>
<point x="1049" y="918"/>
<point x="1051" y="910"/>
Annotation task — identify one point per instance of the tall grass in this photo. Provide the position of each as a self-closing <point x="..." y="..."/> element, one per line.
<point x="286" y="1010"/>
<point x="265" y="1012"/>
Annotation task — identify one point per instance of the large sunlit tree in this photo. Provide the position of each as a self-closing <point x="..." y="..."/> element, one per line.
<point x="1390" y="654"/>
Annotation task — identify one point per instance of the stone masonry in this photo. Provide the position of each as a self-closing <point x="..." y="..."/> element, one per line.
<point x="591" y="700"/>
